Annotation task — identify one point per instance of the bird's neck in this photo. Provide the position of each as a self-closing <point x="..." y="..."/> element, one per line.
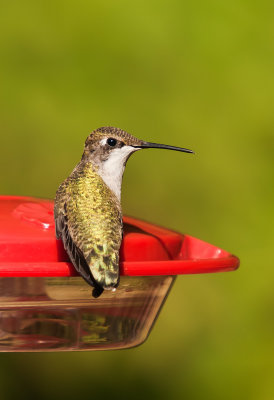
<point x="110" y="174"/>
<point x="110" y="168"/>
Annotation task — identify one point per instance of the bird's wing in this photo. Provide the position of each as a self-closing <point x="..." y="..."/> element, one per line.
<point x="74" y="252"/>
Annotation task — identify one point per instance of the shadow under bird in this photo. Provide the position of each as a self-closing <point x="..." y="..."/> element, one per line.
<point x="87" y="210"/>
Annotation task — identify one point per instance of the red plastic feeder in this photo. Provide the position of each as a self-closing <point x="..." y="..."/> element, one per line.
<point x="46" y="306"/>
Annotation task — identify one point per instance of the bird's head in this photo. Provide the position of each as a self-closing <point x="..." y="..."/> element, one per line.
<point x="108" y="143"/>
<point x="109" y="148"/>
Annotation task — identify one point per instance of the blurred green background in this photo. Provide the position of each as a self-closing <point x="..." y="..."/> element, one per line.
<point x="197" y="74"/>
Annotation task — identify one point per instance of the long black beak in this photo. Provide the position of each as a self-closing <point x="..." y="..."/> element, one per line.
<point x="149" y="145"/>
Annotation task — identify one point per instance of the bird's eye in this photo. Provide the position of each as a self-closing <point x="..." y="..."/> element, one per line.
<point x="111" y="142"/>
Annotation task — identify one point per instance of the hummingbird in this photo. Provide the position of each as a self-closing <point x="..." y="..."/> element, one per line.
<point x="87" y="209"/>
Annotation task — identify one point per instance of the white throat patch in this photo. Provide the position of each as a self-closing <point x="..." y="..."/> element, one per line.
<point x="111" y="170"/>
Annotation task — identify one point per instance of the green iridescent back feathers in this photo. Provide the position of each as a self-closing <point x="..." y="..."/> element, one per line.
<point x="89" y="221"/>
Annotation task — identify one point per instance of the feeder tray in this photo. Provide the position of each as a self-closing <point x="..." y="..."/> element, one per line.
<point x="46" y="306"/>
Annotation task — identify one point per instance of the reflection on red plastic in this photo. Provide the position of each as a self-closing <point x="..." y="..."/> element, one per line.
<point x="28" y="246"/>
<point x="40" y="214"/>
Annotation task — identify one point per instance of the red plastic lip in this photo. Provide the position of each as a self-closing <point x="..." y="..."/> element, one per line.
<point x="28" y="247"/>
